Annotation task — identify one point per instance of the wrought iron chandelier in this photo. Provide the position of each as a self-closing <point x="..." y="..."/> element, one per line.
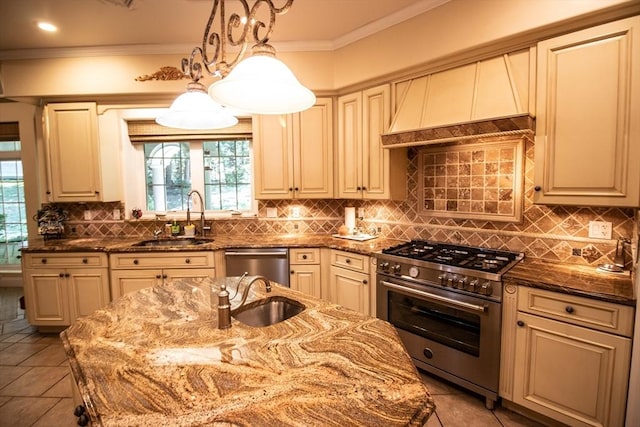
<point x="258" y="84"/>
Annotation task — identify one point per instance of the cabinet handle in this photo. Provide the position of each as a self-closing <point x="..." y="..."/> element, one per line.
<point x="537" y="188"/>
<point x="520" y="323"/>
<point x="348" y="261"/>
<point x="164" y="276"/>
<point x="364" y="188"/>
<point x="296" y="189"/>
<point x="48" y="193"/>
<point x="66" y="275"/>
<point x="85" y="261"/>
<point x="60" y="275"/>
<point x="358" y="188"/>
<point x="158" y="276"/>
<point x="569" y="309"/>
<point x="293" y="272"/>
<point x="135" y="261"/>
<point x="364" y="282"/>
<point x="43" y="260"/>
<point x="187" y="260"/>
<point x="304" y="257"/>
<point x="290" y="188"/>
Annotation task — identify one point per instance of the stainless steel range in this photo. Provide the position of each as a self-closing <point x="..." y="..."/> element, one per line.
<point x="446" y="304"/>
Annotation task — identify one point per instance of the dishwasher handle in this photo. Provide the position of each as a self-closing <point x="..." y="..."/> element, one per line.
<point x="257" y="253"/>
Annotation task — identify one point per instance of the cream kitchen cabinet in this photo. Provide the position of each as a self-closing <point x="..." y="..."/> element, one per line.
<point x="293" y="154"/>
<point x="571" y="357"/>
<point x="304" y="264"/>
<point x="134" y="271"/>
<point x="350" y="281"/>
<point x="77" y="169"/>
<point x="587" y="142"/>
<point x="365" y="169"/>
<point x="59" y="288"/>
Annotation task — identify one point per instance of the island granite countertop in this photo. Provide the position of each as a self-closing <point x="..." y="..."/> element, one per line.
<point x="156" y="357"/>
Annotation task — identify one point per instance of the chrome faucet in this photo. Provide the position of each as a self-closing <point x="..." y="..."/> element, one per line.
<point x="224" y="306"/>
<point x="197" y="193"/>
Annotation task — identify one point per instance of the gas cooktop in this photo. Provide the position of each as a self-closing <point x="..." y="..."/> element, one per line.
<point x="468" y="257"/>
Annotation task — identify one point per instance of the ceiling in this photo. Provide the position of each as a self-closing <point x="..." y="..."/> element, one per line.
<point x="176" y="26"/>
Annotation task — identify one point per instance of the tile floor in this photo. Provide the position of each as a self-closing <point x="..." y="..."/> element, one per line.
<point x="35" y="388"/>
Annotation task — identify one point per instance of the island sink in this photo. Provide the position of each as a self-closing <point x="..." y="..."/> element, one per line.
<point x="173" y="242"/>
<point x="267" y="311"/>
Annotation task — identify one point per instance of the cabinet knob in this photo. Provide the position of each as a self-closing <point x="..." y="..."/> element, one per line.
<point x="520" y="323"/>
<point x="358" y="188"/>
<point x="293" y="272"/>
<point x="296" y="189"/>
<point x="97" y="192"/>
<point x="364" y="188"/>
<point x="164" y="276"/>
<point x="187" y="261"/>
<point x="48" y="192"/>
<point x="43" y="260"/>
<point x="304" y="257"/>
<point x="135" y="261"/>
<point x="348" y="261"/>
<point x="364" y="282"/>
<point x="85" y="261"/>
<point x="67" y="275"/>
<point x="60" y="274"/>
<point x="158" y="276"/>
<point x="537" y="188"/>
<point x="569" y="309"/>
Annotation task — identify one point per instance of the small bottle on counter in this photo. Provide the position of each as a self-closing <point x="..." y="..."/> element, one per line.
<point x="167" y="229"/>
<point x="175" y="228"/>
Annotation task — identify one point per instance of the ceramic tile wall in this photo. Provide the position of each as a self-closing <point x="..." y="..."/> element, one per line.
<point x="548" y="232"/>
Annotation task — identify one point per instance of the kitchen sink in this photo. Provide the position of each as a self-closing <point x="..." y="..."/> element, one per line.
<point x="268" y="311"/>
<point x="173" y="242"/>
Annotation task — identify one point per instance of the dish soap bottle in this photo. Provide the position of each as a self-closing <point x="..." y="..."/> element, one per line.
<point x="175" y="228"/>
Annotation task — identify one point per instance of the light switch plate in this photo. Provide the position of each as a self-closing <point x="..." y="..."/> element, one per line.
<point x="600" y="230"/>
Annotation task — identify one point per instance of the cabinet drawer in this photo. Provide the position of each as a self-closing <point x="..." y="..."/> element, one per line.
<point x="64" y="260"/>
<point x="350" y="260"/>
<point x="591" y="313"/>
<point x="304" y="256"/>
<point x="155" y="260"/>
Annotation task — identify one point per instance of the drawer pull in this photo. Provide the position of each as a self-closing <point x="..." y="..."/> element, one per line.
<point x="60" y="274"/>
<point x="520" y="323"/>
<point x="164" y="276"/>
<point x="348" y="261"/>
<point x="304" y="257"/>
<point x="43" y="260"/>
<point x="136" y="262"/>
<point x="85" y="261"/>
<point x="364" y="282"/>
<point x="569" y="309"/>
<point x="187" y="261"/>
<point x="158" y="276"/>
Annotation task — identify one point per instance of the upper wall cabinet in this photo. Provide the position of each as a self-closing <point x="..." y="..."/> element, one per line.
<point x="587" y="130"/>
<point x="487" y="89"/>
<point x="293" y="154"/>
<point x="365" y="169"/>
<point x="76" y="172"/>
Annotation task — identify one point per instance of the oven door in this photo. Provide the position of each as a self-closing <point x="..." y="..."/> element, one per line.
<point x="456" y="336"/>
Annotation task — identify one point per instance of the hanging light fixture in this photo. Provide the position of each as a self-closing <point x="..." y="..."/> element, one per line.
<point x="259" y="84"/>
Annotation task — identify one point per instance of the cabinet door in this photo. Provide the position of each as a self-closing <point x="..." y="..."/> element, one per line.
<point x="349" y="146"/>
<point x="188" y="273"/>
<point x="125" y="281"/>
<point x="572" y="374"/>
<point x="587" y="131"/>
<point x="72" y="145"/>
<point x="313" y="151"/>
<point x="306" y="278"/>
<point x="376" y="110"/>
<point x="88" y="291"/>
<point x="350" y="289"/>
<point x="272" y="157"/>
<point x="46" y="297"/>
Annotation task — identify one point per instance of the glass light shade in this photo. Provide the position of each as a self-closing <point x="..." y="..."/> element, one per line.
<point x="262" y="84"/>
<point x="195" y="109"/>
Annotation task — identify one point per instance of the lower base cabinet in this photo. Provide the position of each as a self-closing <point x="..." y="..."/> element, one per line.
<point x="571" y="358"/>
<point x="304" y="265"/>
<point x="59" y="288"/>
<point x="350" y="282"/>
<point x="134" y="271"/>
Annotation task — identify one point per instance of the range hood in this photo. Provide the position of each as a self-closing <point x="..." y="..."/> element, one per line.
<point x="484" y="99"/>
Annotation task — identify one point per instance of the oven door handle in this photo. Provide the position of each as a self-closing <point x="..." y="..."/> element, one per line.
<point x="427" y="295"/>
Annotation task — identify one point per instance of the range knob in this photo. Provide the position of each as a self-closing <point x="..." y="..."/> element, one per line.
<point x="384" y="266"/>
<point x="462" y="283"/>
<point x="396" y="269"/>
<point x="486" y="288"/>
<point x="472" y="286"/>
<point x="443" y="279"/>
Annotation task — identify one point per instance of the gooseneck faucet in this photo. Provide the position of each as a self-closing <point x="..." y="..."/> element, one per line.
<point x="197" y="193"/>
<point x="224" y="306"/>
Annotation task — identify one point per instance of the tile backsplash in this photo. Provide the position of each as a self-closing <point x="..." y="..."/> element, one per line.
<point x="548" y="232"/>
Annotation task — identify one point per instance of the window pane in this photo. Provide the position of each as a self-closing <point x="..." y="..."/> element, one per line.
<point x="168" y="175"/>
<point x="227" y="175"/>
<point x="13" y="220"/>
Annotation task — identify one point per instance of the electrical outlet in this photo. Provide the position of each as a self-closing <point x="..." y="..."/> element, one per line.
<point x="600" y="230"/>
<point x="295" y="212"/>
<point x="272" y="212"/>
<point x="361" y="213"/>
<point x="116" y="214"/>
<point x="87" y="215"/>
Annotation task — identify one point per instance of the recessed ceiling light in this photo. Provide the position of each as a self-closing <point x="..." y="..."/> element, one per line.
<point x="47" y="26"/>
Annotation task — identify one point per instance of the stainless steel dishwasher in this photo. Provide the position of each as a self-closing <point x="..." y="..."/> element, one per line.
<point x="272" y="263"/>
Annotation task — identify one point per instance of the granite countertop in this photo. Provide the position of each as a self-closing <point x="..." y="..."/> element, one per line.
<point x="579" y="280"/>
<point x="155" y="357"/>
<point x="126" y="244"/>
